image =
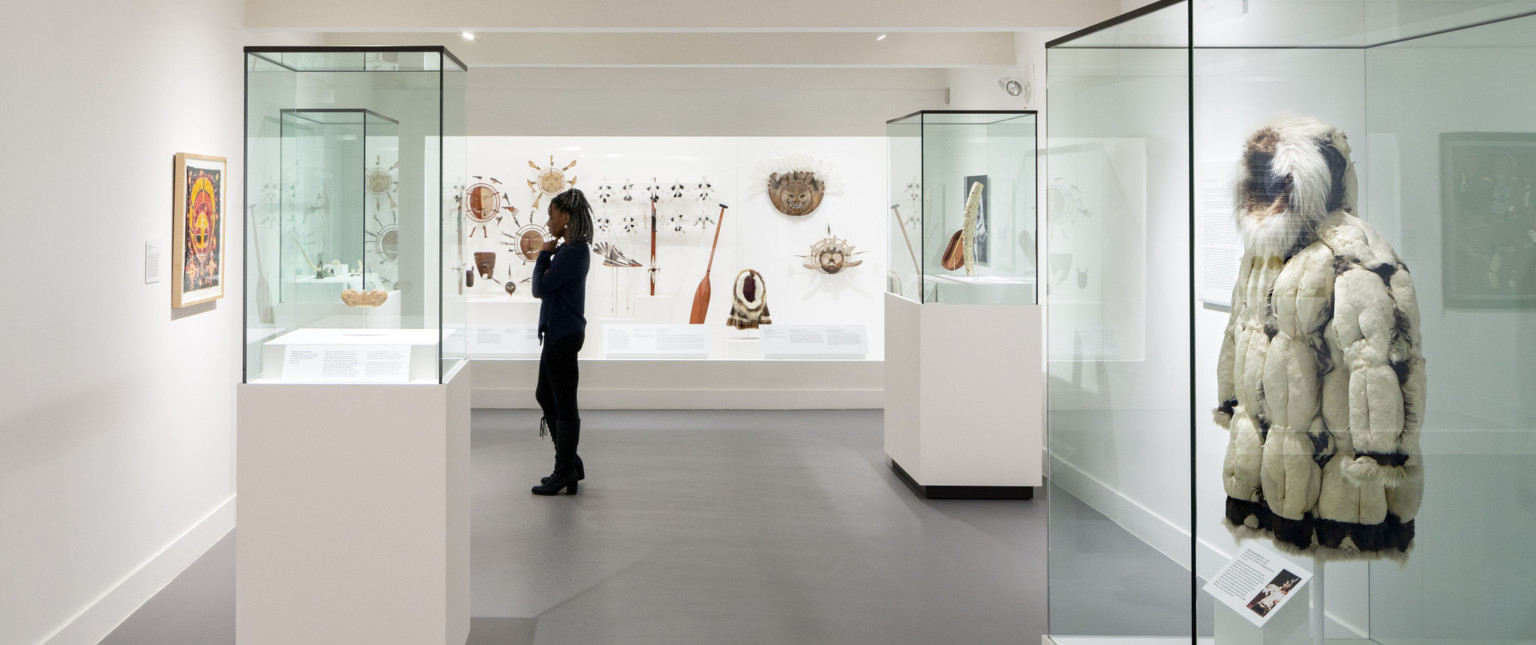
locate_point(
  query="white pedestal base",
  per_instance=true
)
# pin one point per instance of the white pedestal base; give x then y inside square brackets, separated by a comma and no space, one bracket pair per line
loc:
[1289,626]
[655,310]
[964,397]
[743,349]
[354,514]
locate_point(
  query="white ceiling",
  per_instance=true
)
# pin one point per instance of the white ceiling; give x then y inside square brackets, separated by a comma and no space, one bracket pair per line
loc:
[921,34]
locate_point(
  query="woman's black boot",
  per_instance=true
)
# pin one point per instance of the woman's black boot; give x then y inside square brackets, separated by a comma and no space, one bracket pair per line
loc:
[568,434]
[553,429]
[556,481]
[581,471]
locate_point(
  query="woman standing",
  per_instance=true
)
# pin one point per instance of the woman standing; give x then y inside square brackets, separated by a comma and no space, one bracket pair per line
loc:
[560,282]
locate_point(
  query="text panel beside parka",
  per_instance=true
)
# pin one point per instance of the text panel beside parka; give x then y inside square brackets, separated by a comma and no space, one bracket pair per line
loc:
[1321,377]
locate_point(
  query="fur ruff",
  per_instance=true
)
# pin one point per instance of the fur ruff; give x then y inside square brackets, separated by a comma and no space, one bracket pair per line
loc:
[1284,181]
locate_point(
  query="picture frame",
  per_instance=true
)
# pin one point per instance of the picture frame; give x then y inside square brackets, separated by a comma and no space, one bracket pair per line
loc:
[983,219]
[198,229]
[1488,200]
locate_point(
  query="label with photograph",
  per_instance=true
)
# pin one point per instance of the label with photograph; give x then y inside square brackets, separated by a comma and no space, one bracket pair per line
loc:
[1257,583]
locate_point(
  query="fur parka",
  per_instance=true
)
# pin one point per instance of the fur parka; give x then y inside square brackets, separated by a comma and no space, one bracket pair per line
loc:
[1321,378]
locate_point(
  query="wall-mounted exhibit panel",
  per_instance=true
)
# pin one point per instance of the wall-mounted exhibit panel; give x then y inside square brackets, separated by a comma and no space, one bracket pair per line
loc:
[705,248]
[353,238]
[1292,376]
[961,307]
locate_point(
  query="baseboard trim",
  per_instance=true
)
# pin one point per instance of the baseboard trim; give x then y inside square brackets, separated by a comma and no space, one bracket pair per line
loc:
[104,614]
[961,492]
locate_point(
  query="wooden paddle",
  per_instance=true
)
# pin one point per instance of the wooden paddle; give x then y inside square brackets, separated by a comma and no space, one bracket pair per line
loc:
[701,295]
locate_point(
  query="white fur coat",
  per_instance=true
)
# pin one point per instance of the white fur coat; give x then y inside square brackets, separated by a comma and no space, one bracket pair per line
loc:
[1321,377]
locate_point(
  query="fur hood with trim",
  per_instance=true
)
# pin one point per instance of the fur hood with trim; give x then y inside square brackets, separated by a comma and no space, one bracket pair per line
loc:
[1321,377]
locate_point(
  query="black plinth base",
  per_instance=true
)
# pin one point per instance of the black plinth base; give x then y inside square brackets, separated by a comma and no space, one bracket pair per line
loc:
[962,492]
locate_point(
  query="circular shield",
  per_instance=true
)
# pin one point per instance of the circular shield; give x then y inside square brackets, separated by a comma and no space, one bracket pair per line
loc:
[552,181]
[483,203]
[530,240]
[387,243]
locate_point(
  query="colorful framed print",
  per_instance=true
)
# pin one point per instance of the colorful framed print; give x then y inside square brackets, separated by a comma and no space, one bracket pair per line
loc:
[198,230]
[1489,219]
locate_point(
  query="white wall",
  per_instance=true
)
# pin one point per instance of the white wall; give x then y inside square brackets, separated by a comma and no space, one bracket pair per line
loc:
[696,101]
[116,413]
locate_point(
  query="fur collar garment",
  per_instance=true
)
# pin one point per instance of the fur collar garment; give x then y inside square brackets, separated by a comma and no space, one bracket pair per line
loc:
[1321,377]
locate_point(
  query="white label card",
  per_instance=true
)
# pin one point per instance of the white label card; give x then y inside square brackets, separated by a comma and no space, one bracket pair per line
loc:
[504,340]
[152,261]
[346,364]
[1220,250]
[1257,583]
[814,340]
[669,341]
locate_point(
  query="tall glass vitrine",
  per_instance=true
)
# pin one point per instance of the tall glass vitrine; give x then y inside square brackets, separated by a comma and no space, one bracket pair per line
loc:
[961,299]
[355,160]
[1154,122]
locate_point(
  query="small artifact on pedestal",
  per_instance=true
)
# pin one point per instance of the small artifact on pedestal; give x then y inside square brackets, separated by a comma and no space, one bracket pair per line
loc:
[355,298]
[749,307]
[968,233]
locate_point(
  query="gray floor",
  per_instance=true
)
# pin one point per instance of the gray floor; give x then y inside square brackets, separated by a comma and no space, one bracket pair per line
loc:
[706,527]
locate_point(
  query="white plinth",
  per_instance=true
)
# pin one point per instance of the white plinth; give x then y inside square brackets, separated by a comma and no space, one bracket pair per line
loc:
[1288,626]
[655,310]
[743,349]
[354,514]
[964,397]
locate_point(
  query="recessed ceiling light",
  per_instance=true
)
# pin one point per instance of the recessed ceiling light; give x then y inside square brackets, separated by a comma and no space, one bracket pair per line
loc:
[880,37]
[467,36]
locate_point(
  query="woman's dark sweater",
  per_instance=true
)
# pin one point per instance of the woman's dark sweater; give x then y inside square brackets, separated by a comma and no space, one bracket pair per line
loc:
[560,281]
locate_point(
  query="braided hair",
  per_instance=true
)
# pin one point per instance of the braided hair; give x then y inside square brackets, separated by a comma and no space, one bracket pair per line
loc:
[574,204]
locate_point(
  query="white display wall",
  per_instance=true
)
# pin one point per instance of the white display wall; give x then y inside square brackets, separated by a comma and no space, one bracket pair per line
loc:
[755,235]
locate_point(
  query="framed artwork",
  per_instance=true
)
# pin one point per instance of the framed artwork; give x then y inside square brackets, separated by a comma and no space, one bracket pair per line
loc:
[198,230]
[983,218]
[1489,222]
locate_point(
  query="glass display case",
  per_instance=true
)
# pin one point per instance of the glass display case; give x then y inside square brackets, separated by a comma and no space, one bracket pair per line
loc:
[1391,133]
[962,207]
[960,300]
[354,265]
